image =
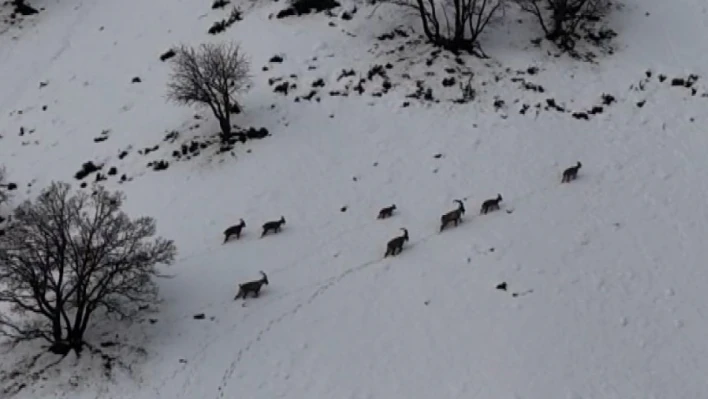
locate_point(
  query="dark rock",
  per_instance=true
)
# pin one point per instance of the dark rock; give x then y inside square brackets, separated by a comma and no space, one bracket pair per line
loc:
[218,27]
[22,8]
[160,165]
[447,82]
[167,55]
[86,169]
[282,88]
[219,4]
[608,99]
[288,12]
[254,133]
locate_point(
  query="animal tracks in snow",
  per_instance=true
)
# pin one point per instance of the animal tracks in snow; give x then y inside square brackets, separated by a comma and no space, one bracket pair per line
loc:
[321,289]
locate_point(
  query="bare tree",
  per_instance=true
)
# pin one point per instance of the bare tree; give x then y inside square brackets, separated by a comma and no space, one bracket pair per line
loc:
[65,257]
[211,76]
[560,19]
[455,24]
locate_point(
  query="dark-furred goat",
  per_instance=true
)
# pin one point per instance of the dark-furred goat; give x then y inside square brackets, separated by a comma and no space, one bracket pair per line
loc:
[453,216]
[251,286]
[491,205]
[273,226]
[395,245]
[571,173]
[234,230]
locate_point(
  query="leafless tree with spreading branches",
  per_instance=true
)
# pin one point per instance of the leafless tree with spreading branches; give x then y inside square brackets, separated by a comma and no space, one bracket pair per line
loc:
[560,19]
[455,25]
[210,75]
[66,257]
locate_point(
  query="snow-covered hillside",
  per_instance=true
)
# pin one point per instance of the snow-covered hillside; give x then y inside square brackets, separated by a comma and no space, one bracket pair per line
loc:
[606,277]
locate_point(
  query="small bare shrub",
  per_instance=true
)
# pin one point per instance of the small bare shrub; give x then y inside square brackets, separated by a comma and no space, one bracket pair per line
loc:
[561,19]
[455,25]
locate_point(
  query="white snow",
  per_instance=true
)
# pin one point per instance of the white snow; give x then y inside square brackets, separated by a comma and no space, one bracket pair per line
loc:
[609,270]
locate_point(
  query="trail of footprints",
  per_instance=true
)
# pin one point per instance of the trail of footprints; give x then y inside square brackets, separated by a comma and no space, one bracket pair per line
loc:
[394,247]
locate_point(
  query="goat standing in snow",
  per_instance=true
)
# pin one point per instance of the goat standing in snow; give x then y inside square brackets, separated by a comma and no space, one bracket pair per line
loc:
[273,226]
[234,230]
[491,205]
[251,286]
[571,173]
[386,212]
[454,216]
[396,244]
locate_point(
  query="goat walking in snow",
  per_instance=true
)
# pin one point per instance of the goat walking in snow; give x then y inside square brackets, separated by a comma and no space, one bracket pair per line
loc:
[571,173]
[395,245]
[273,226]
[251,286]
[454,216]
[234,230]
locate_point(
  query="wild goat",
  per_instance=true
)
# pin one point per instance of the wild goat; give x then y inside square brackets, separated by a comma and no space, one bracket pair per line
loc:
[453,216]
[234,230]
[571,173]
[386,212]
[273,226]
[251,286]
[396,244]
[491,205]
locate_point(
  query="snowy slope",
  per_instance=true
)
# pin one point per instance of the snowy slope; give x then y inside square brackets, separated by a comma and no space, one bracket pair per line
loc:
[608,272]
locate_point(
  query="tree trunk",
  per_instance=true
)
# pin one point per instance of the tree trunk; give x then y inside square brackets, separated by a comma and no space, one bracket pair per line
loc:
[60,348]
[225,124]
[559,16]
[56,329]
[76,342]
